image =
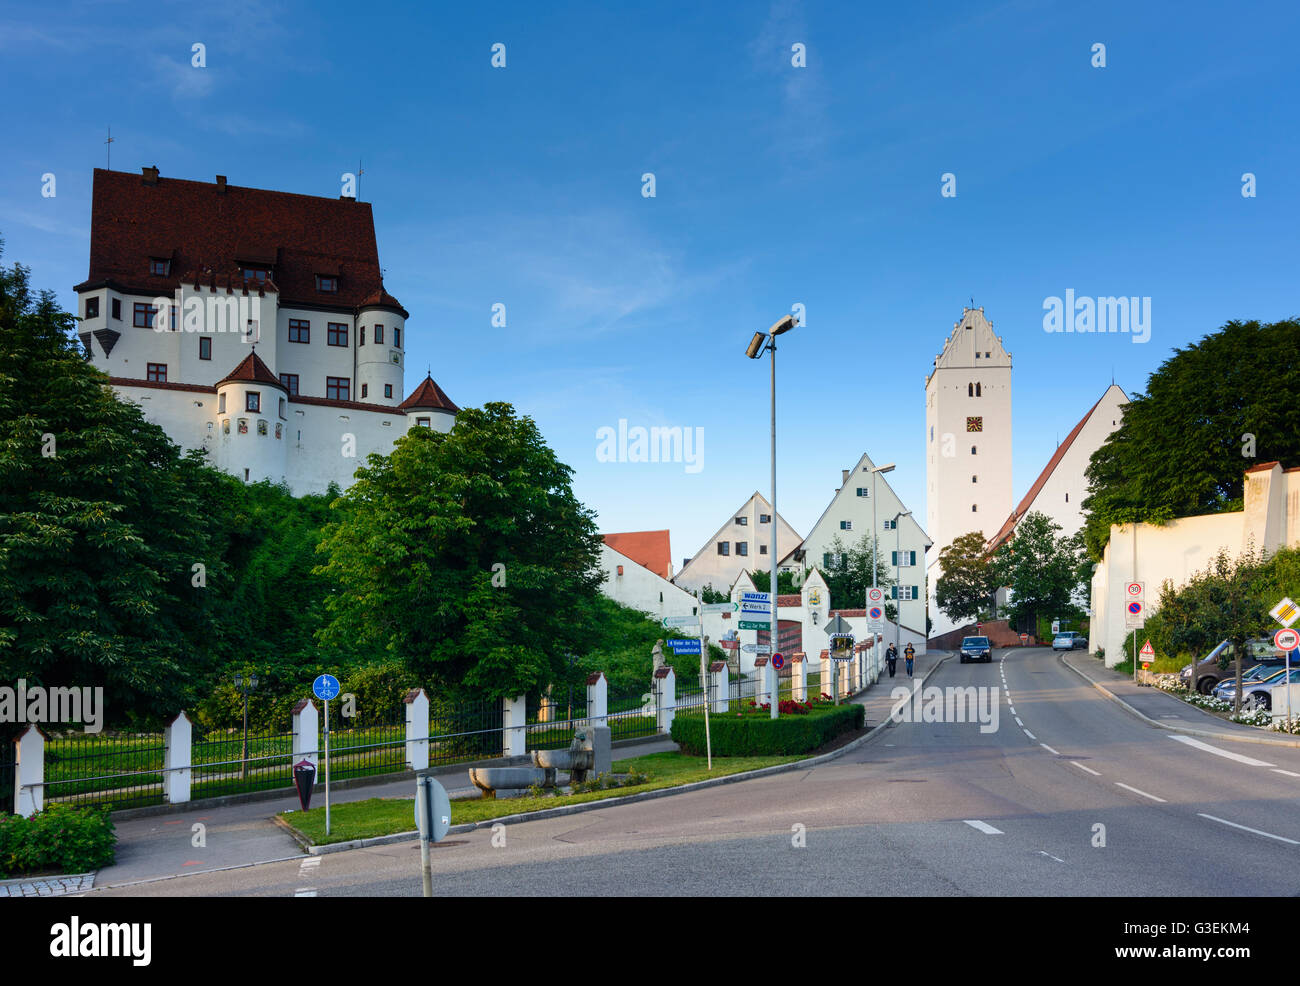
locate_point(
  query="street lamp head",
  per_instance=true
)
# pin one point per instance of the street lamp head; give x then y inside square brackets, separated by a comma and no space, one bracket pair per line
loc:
[239,681]
[784,325]
[888,468]
[755,346]
[252,682]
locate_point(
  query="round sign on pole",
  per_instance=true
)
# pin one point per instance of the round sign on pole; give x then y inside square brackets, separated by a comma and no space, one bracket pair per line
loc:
[875,595]
[325,687]
[1135,588]
[876,612]
[1286,640]
[1135,608]
[778,661]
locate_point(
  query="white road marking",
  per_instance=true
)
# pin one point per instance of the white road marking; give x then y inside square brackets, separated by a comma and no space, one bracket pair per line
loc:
[1095,773]
[305,892]
[1049,749]
[1143,793]
[984,827]
[1019,723]
[1267,835]
[1029,734]
[1012,708]
[1289,773]
[1044,852]
[1240,758]
[305,869]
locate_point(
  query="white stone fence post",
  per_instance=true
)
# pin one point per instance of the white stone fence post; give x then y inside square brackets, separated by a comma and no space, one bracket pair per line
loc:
[597,699]
[665,685]
[514,719]
[799,676]
[417,729]
[720,684]
[177,754]
[29,779]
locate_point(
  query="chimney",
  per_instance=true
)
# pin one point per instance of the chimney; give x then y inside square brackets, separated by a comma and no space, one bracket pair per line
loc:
[150,175]
[221,184]
[844,476]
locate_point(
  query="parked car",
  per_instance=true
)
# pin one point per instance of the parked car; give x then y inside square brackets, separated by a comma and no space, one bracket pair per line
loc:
[976,649]
[1218,664]
[1260,672]
[1258,694]
[1073,640]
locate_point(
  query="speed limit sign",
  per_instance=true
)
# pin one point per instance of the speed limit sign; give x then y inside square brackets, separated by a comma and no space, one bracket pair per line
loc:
[1136,590]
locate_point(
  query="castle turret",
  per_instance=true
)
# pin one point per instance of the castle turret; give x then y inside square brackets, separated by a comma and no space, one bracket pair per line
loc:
[381,349]
[252,416]
[429,407]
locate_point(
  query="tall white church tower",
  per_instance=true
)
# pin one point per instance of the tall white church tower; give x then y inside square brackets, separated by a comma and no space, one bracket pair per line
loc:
[968,442]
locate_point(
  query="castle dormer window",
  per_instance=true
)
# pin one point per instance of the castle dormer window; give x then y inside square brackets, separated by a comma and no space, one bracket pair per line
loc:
[397,336]
[253,401]
[92,307]
[258,274]
[327,284]
[160,267]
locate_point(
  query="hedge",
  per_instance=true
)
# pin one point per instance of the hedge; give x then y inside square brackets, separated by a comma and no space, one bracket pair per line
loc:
[757,736]
[61,839]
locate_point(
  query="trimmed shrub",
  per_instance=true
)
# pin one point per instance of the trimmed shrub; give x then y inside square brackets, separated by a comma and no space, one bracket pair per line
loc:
[61,838]
[757,736]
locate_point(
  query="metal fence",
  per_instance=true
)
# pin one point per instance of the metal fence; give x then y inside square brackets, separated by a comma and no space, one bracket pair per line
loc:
[122,770]
[363,751]
[222,765]
[633,713]
[8,774]
[462,730]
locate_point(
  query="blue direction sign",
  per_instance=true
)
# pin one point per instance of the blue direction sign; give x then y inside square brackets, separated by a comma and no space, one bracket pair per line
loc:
[325,687]
[684,646]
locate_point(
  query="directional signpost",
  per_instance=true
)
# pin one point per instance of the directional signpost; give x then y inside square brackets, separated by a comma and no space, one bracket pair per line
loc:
[755,611]
[841,646]
[757,648]
[326,687]
[720,607]
[684,645]
[680,621]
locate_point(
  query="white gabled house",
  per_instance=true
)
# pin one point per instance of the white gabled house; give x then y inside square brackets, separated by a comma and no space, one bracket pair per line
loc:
[740,544]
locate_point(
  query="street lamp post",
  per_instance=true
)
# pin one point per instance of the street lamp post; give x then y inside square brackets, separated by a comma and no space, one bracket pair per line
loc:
[245,686]
[755,350]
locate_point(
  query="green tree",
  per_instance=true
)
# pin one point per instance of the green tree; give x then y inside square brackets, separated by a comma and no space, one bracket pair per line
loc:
[787,583]
[1042,570]
[848,573]
[1210,411]
[102,522]
[965,590]
[466,555]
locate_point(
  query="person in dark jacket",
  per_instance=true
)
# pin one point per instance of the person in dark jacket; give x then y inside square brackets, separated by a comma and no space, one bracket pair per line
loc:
[891,656]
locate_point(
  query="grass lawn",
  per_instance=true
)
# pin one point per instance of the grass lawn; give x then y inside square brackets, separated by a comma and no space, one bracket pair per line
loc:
[385,816]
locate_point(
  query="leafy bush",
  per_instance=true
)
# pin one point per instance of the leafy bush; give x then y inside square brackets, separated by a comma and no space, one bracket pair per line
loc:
[60,838]
[755,736]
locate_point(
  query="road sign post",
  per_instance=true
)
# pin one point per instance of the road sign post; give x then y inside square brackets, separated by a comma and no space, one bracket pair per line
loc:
[1135,613]
[326,687]
[705,680]
[1286,641]
[433,819]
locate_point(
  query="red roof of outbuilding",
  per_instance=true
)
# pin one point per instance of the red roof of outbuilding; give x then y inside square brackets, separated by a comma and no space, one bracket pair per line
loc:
[208,231]
[649,549]
[251,368]
[428,396]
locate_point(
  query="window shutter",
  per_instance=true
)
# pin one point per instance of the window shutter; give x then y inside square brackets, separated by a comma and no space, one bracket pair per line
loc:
[893,558]
[915,594]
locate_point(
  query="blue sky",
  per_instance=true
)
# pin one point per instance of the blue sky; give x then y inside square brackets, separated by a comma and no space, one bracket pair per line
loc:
[775,186]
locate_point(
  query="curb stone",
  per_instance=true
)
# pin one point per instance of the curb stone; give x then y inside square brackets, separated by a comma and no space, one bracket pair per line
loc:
[1189,730]
[558,812]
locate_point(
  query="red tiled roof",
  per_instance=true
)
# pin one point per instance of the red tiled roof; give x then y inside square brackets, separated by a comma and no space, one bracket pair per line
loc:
[846,613]
[649,549]
[791,599]
[252,369]
[347,405]
[1263,467]
[428,396]
[196,388]
[1005,530]
[202,227]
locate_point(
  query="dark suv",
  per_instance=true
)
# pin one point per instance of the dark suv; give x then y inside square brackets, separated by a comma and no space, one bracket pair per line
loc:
[976,649]
[1220,663]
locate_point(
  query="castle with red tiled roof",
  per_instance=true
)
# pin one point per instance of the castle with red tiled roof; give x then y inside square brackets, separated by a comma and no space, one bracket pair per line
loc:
[251,323]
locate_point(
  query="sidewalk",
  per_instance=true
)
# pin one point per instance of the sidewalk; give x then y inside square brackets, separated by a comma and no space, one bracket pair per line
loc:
[877,698]
[1160,708]
[160,846]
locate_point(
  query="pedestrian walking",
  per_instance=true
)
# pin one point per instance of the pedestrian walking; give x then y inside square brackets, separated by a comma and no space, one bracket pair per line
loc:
[909,652]
[891,656]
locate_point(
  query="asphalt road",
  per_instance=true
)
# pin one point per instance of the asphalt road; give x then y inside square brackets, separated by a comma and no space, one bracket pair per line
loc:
[1071,795]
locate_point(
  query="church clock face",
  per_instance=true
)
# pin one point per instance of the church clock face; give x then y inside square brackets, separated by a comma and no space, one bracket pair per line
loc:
[974,424]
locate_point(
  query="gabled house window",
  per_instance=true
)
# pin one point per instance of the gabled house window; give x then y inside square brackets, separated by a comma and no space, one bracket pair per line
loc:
[846,525]
[908,559]
[762,549]
[253,401]
[336,334]
[742,548]
[143,315]
[974,479]
[290,381]
[299,330]
[724,547]
[864,491]
[742,521]
[972,450]
[891,525]
[327,284]
[765,518]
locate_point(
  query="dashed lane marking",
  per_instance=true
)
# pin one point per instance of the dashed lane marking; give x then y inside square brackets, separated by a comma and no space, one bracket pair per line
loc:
[1244,828]
[1049,749]
[1095,773]
[1143,793]
[1029,734]
[984,827]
